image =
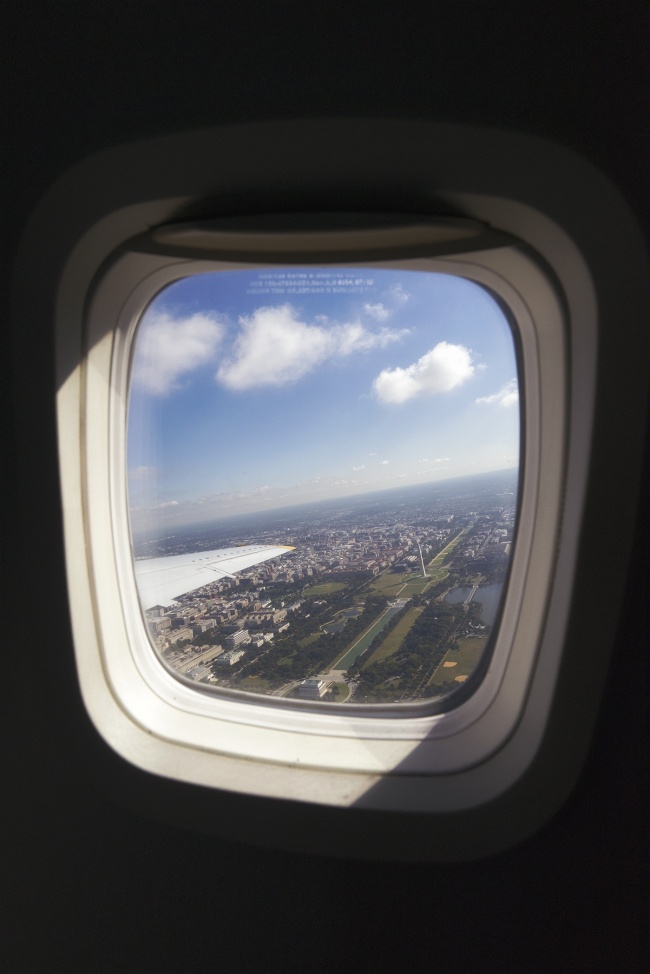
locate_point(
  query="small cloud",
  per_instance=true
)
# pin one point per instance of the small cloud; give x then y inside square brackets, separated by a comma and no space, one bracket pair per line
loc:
[372,454]
[160,507]
[167,348]
[443,459]
[424,460]
[508,395]
[255,492]
[442,369]
[384,462]
[361,466]
[398,294]
[377,311]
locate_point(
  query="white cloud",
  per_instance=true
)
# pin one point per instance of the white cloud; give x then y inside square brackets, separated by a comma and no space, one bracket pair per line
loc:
[160,507]
[442,369]
[255,492]
[274,348]
[168,348]
[361,466]
[508,395]
[385,462]
[377,311]
[398,294]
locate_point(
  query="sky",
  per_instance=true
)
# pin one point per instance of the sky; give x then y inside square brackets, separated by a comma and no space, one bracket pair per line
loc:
[258,389]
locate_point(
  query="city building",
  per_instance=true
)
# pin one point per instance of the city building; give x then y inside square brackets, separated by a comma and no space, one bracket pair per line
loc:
[313,689]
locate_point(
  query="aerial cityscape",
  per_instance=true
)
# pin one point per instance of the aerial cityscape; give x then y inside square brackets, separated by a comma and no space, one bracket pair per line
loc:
[386,598]
[366,418]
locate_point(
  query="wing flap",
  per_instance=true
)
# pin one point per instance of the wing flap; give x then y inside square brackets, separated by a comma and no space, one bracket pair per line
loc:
[161,580]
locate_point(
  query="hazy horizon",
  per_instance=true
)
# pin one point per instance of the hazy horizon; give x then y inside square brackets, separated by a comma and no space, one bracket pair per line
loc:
[289,511]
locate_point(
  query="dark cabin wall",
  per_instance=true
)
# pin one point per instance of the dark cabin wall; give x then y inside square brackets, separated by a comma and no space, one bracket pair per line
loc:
[89,883]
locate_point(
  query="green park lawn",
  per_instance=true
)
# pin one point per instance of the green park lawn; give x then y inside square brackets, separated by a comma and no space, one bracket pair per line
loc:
[436,562]
[412,583]
[395,637]
[387,584]
[339,692]
[418,585]
[309,639]
[465,657]
[324,588]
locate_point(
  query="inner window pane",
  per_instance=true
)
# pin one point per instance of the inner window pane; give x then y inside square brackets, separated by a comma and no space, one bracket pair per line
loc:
[323,468]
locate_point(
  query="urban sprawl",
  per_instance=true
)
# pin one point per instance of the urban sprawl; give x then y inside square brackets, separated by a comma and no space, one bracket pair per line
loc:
[389,599]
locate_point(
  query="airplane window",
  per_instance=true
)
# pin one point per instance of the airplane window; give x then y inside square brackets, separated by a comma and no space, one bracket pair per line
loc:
[323,469]
[330,480]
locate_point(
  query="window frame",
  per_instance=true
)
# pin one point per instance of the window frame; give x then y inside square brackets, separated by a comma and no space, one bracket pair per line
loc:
[377,741]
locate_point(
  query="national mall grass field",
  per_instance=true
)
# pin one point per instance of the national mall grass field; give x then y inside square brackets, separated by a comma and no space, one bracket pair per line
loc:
[395,637]
[457,664]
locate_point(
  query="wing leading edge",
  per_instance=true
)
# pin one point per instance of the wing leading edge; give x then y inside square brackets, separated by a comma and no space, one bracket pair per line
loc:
[161,580]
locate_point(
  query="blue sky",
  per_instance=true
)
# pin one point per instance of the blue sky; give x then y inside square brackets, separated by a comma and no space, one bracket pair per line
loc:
[259,389]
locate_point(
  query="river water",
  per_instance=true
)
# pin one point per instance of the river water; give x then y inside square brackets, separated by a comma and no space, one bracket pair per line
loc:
[488,595]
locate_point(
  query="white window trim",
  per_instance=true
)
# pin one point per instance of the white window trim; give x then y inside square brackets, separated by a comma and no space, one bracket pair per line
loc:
[176,714]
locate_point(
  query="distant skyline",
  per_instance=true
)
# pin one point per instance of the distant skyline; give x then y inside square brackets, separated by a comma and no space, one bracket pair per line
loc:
[254,390]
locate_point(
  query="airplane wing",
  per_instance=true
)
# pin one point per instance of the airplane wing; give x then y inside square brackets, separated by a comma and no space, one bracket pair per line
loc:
[161,580]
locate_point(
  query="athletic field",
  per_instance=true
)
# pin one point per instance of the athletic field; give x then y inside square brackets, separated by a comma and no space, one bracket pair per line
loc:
[458,664]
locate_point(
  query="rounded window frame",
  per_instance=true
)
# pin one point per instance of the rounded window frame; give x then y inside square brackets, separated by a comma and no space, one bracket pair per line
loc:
[253,729]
